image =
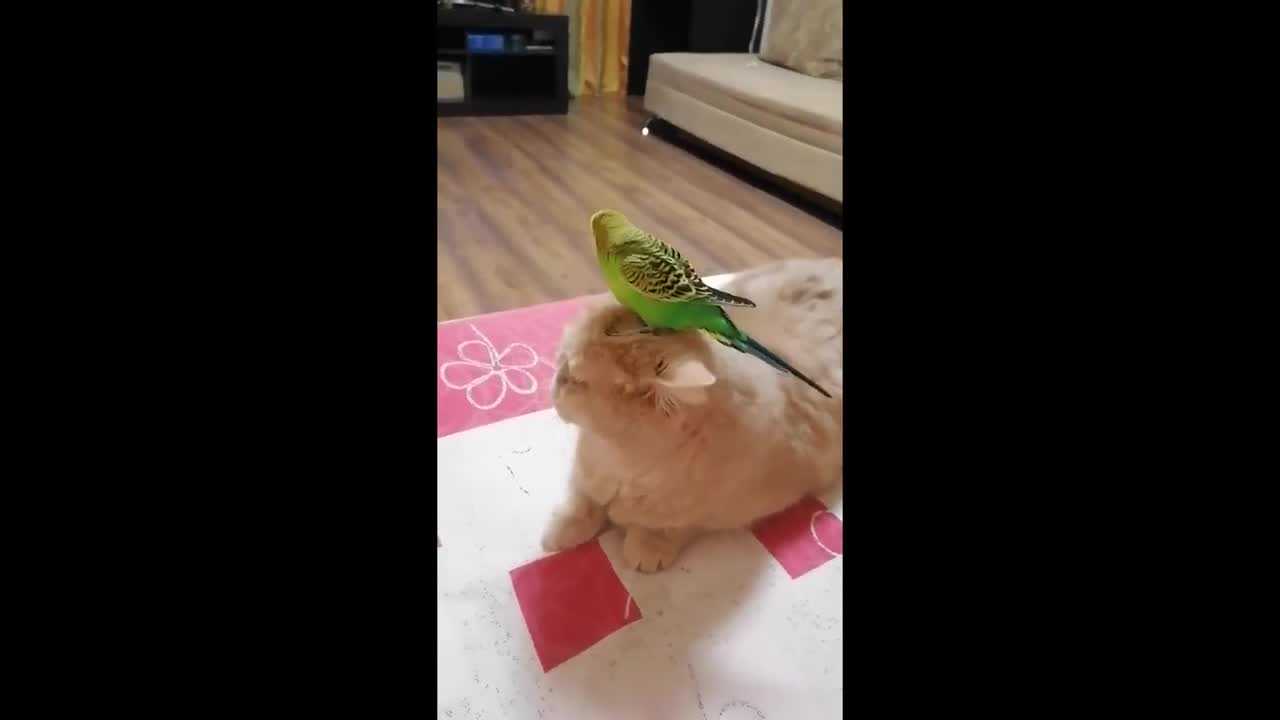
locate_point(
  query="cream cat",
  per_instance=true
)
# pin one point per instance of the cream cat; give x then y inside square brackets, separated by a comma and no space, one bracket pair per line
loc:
[681,435]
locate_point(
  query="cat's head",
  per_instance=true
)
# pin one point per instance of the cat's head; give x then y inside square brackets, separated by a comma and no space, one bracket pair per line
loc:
[611,383]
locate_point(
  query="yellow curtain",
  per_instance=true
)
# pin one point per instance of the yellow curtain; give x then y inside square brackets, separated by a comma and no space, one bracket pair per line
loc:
[599,40]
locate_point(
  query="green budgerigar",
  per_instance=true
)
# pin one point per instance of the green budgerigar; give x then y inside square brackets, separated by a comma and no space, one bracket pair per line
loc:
[654,280]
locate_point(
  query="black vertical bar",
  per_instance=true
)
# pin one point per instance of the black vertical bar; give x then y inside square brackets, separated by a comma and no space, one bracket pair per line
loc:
[657,26]
[562,61]
[466,77]
[721,26]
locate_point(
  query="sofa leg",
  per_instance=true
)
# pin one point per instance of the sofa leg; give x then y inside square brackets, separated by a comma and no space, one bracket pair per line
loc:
[656,126]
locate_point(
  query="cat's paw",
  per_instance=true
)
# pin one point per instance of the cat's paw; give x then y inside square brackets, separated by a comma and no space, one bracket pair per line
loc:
[571,530]
[649,551]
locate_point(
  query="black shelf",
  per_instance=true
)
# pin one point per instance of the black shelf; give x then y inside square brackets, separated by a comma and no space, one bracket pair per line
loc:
[506,82]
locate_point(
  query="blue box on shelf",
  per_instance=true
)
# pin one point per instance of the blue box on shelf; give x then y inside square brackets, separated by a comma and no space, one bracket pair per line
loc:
[484,42]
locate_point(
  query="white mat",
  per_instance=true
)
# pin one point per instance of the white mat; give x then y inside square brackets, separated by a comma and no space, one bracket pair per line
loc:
[726,634]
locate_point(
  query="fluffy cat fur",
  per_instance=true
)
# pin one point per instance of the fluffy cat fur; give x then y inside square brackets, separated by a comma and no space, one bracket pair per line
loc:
[681,435]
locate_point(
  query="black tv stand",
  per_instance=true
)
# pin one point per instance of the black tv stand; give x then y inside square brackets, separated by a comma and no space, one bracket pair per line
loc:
[529,80]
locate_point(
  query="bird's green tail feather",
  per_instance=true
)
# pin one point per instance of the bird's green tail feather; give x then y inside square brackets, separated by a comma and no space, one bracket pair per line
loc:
[745,344]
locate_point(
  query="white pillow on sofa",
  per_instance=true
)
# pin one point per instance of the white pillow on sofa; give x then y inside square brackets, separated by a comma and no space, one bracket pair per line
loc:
[806,36]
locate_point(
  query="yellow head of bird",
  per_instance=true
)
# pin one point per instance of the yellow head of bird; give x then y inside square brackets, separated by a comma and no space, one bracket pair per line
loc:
[602,222]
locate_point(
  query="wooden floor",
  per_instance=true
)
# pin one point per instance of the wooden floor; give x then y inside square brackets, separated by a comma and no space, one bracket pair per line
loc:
[516,195]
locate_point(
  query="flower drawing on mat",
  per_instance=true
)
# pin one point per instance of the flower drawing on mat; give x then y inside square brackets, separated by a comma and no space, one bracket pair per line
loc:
[509,369]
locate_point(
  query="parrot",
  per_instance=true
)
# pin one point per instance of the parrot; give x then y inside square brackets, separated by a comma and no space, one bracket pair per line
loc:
[652,279]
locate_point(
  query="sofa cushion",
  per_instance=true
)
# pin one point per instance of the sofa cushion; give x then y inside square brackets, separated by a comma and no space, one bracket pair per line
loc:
[806,36]
[798,106]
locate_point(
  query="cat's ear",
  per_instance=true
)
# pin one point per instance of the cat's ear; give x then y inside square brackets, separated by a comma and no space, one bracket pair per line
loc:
[688,379]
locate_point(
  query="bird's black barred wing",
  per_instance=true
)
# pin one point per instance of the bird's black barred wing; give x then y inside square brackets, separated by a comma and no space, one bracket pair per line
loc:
[659,272]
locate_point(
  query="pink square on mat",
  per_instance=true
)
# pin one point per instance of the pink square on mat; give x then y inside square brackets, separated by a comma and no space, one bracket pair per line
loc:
[497,366]
[802,537]
[571,601]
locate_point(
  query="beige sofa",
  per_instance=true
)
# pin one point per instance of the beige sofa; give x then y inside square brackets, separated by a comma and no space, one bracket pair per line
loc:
[781,110]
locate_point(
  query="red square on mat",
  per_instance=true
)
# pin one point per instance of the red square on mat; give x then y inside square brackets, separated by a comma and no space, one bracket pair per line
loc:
[571,601]
[802,537]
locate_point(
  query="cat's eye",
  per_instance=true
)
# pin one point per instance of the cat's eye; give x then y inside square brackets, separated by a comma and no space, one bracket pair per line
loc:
[661,367]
